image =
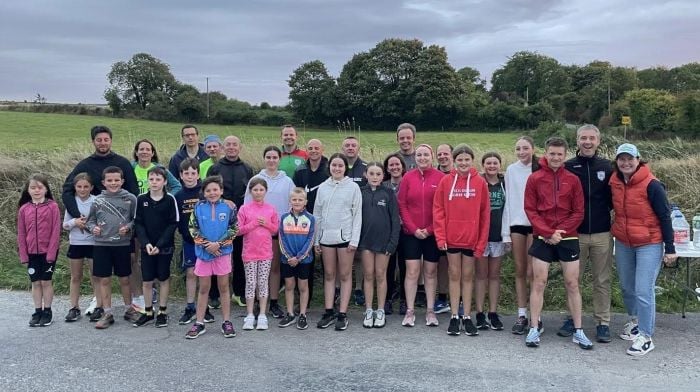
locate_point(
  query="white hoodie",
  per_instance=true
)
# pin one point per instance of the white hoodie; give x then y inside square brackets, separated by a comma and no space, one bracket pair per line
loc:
[278,189]
[338,212]
[514,210]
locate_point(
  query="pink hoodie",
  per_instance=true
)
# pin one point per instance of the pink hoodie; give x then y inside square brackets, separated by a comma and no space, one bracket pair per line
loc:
[257,240]
[38,230]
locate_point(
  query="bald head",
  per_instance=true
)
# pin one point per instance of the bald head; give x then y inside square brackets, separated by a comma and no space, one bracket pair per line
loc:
[314,148]
[232,147]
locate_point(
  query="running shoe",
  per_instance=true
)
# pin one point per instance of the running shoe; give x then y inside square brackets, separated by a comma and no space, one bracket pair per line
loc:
[214,303]
[187,316]
[430,319]
[326,321]
[409,319]
[582,340]
[91,307]
[262,323]
[602,334]
[359,297]
[105,321]
[630,331]
[640,346]
[161,320]
[196,330]
[368,322]
[567,329]
[144,319]
[481,322]
[533,338]
[379,318]
[73,315]
[35,321]
[208,317]
[276,311]
[454,328]
[46,318]
[227,329]
[341,322]
[131,314]
[235,299]
[249,322]
[495,322]
[97,314]
[287,320]
[520,325]
[469,327]
[301,322]
[441,306]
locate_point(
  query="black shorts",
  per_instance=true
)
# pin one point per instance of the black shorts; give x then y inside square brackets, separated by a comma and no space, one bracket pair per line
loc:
[564,251]
[79,252]
[518,229]
[39,269]
[341,245]
[301,271]
[464,252]
[155,267]
[188,256]
[108,260]
[414,248]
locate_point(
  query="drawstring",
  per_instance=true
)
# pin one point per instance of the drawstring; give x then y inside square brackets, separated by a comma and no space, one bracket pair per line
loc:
[469,179]
[454,183]
[453,187]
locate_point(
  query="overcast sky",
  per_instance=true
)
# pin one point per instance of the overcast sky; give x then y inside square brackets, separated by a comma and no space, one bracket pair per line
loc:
[64,49]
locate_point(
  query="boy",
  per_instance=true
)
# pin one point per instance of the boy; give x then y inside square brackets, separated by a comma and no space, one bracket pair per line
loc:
[111,221]
[296,234]
[156,220]
[554,206]
[186,199]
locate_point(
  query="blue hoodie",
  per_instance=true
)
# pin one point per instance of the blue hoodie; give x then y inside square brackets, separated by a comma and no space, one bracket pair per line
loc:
[211,222]
[297,236]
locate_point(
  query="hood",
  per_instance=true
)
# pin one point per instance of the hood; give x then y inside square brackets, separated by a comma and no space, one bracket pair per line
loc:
[121,192]
[227,162]
[456,175]
[343,181]
[269,178]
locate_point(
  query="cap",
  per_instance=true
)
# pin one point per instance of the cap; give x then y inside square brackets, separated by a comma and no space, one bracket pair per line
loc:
[212,139]
[627,148]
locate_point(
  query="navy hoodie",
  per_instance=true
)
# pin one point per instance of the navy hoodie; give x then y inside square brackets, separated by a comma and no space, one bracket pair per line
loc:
[380,220]
[186,200]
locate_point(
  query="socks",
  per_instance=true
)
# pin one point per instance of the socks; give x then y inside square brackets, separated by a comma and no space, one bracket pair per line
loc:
[190,306]
[522,312]
[162,309]
[149,310]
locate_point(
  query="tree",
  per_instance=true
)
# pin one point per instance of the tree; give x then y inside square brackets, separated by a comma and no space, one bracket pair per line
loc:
[532,76]
[472,76]
[135,80]
[312,93]
[40,99]
[189,104]
[651,110]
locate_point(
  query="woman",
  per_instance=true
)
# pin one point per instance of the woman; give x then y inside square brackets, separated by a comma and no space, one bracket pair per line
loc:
[516,228]
[418,239]
[146,157]
[643,238]
[338,213]
[395,169]
[279,186]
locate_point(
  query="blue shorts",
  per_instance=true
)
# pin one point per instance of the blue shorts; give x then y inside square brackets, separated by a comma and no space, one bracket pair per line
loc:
[188,258]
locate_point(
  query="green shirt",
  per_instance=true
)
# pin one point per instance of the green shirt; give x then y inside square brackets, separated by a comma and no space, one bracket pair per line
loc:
[204,167]
[142,177]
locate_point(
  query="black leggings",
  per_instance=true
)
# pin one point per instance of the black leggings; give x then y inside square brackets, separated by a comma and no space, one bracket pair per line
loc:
[391,283]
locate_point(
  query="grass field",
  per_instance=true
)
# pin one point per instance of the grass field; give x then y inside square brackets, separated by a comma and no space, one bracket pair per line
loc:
[53,143]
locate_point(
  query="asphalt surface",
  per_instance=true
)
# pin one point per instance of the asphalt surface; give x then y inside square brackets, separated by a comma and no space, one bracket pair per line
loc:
[75,356]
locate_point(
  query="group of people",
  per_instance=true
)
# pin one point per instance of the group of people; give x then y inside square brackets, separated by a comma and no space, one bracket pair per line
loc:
[446,227]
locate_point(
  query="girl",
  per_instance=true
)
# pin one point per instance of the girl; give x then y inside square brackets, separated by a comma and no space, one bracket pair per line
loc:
[378,239]
[258,223]
[516,228]
[38,237]
[395,170]
[461,215]
[80,248]
[278,188]
[213,226]
[488,265]
[338,213]
[418,241]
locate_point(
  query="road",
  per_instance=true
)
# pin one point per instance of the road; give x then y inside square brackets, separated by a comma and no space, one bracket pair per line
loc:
[75,356]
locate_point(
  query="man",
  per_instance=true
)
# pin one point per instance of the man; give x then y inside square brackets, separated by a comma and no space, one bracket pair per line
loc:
[444,158]
[356,172]
[292,156]
[554,206]
[310,176]
[213,147]
[94,165]
[190,148]
[236,175]
[594,236]
[406,137]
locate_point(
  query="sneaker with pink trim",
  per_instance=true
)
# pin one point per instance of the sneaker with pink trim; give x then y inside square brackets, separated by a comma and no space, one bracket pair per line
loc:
[430,319]
[409,319]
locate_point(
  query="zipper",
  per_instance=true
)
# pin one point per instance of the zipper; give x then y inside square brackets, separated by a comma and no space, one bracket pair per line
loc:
[590,207]
[36,227]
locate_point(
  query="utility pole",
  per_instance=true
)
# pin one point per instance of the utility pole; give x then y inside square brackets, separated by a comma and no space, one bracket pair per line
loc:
[207,98]
[609,91]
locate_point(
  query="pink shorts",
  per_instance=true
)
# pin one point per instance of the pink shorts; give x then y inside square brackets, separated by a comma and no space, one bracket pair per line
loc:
[218,266]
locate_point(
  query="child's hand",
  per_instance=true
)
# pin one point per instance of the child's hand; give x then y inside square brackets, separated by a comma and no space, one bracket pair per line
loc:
[123,230]
[213,248]
[317,249]
[97,230]
[293,262]
[351,248]
[261,220]
[152,250]
[80,222]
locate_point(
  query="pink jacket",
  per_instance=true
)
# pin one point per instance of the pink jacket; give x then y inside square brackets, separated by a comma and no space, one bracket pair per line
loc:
[257,240]
[38,230]
[416,199]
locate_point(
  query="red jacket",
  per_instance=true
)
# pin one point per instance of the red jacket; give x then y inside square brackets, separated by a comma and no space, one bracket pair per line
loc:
[462,212]
[38,230]
[635,223]
[554,201]
[416,199]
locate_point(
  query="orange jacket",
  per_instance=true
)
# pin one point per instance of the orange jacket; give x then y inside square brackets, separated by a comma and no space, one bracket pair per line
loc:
[635,222]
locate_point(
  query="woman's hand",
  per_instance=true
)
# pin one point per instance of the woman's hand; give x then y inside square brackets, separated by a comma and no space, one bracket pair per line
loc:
[670,259]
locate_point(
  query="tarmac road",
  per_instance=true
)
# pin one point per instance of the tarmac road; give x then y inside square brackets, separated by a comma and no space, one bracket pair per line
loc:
[75,356]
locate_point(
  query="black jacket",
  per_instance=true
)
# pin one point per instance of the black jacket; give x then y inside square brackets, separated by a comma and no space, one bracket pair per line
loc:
[186,200]
[93,166]
[310,180]
[594,173]
[236,175]
[380,220]
[156,221]
[357,173]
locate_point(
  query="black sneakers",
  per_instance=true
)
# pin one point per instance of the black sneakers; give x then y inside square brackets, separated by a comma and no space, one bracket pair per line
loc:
[276,311]
[187,316]
[144,319]
[97,315]
[326,321]
[46,318]
[495,322]
[454,327]
[161,320]
[288,320]
[341,322]
[469,327]
[301,322]
[520,325]
[481,322]
[73,315]
[208,317]
[35,321]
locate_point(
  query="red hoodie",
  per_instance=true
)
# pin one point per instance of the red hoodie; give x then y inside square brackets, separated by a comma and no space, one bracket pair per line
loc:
[554,201]
[416,199]
[462,212]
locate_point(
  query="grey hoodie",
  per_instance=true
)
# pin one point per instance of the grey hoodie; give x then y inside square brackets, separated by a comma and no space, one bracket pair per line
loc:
[110,211]
[338,212]
[278,189]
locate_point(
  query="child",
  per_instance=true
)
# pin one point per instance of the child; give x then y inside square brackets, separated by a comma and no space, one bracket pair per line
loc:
[213,226]
[296,230]
[379,238]
[156,221]
[111,222]
[80,248]
[186,199]
[257,222]
[38,237]
[461,215]
[488,265]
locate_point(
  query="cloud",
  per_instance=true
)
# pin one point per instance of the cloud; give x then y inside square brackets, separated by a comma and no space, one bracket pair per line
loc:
[248,49]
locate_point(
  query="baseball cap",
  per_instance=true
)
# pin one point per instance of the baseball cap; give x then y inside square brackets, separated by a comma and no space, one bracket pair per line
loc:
[627,148]
[212,139]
